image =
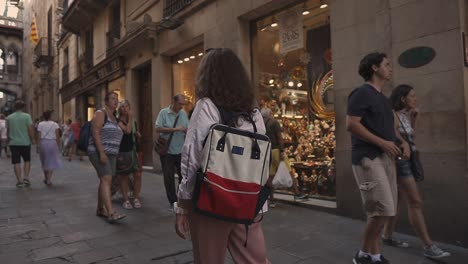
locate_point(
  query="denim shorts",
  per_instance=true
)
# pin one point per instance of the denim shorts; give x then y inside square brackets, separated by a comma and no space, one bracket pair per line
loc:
[403,168]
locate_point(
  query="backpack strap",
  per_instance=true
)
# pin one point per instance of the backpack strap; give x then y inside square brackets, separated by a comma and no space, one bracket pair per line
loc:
[230,118]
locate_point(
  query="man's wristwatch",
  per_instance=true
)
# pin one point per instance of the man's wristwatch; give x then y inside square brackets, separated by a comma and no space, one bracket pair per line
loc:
[179,210]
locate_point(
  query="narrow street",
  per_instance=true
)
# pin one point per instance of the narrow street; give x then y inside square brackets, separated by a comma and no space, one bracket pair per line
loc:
[53,225]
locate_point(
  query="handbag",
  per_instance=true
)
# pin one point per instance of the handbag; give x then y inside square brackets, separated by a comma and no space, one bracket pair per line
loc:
[126,162]
[416,165]
[161,146]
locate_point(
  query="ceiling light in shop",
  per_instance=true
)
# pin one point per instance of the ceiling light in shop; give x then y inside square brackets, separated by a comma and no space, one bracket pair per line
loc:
[323,5]
[186,59]
[192,57]
[200,54]
[274,24]
[180,61]
[290,84]
[271,81]
[305,12]
[299,84]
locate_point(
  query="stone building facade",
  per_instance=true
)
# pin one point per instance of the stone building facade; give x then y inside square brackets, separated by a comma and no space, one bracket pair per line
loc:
[147,51]
[11,56]
[41,60]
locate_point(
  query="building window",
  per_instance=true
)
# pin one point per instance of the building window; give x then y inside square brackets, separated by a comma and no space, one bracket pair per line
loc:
[114,26]
[65,69]
[184,69]
[293,77]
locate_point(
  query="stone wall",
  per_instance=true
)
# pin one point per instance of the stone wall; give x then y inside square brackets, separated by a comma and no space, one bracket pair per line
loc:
[360,27]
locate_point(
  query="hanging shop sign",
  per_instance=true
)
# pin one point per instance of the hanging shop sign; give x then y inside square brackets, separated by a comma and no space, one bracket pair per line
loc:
[416,57]
[291,34]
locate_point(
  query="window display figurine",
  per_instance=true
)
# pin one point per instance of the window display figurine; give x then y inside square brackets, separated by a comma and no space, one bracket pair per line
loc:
[313,182]
[322,183]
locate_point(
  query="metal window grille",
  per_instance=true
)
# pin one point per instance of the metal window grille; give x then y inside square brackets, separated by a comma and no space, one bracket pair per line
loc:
[173,6]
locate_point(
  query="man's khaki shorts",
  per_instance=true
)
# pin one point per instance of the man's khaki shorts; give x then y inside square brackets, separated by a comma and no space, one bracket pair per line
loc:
[377,183]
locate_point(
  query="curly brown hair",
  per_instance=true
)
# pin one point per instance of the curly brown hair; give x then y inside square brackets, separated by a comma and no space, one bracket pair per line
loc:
[222,78]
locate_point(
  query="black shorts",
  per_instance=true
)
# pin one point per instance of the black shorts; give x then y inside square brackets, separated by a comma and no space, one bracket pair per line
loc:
[18,152]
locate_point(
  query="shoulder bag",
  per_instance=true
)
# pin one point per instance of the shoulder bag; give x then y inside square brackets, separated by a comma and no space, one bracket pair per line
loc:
[416,165]
[161,146]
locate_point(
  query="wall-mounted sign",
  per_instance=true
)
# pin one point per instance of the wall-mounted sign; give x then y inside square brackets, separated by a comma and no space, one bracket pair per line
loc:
[416,57]
[290,30]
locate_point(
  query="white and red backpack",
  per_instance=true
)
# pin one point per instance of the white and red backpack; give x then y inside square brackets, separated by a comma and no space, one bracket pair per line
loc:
[231,183]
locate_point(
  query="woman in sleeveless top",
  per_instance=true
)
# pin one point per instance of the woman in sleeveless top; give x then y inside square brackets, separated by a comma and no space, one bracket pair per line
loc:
[127,160]
[103,148]
[404,103]
[48,137]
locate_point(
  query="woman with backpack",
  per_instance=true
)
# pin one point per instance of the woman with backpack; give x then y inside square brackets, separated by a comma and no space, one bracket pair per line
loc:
[48,136]
[221,82]
[103,148]
[127,161]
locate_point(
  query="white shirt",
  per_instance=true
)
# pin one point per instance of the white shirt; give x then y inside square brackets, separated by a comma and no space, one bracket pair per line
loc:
[3,130]
[47,129]
[204,115]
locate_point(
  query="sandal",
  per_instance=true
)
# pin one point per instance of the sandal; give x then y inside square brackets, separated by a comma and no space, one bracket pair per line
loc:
[114,217]
[127,205]
[19,185]
[136,203]
[26,182]
[101,212]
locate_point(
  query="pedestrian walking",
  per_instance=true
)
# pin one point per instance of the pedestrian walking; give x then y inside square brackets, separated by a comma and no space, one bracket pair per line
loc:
[371,124]
[75,128]
[48,139]
[221,81]
[66,138]
[273,131]
[171,125]
[3,136]
[103,148]
[127,162]
[20,131]
[406,113]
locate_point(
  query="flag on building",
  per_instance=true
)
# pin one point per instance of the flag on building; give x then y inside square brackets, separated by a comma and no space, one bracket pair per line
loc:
[34,33]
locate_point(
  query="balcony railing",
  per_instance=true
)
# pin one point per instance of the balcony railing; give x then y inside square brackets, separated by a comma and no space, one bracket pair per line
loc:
[171,7]
[43,52]
[65,75]
[80,14]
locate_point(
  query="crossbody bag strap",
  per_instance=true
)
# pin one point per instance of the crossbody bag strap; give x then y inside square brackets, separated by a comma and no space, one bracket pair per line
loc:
[172,133]
[404,129]
[48,132]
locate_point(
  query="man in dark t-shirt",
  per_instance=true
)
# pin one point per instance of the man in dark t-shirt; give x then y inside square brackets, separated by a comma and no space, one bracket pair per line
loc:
[370,121]
[273,131]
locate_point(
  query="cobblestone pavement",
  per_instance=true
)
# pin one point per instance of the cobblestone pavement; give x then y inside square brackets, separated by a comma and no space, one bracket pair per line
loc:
[54,225]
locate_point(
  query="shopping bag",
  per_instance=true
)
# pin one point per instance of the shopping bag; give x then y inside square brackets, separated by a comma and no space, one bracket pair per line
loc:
[282,177]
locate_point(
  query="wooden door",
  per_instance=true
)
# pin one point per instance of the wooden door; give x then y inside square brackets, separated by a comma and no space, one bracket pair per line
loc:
[145,113]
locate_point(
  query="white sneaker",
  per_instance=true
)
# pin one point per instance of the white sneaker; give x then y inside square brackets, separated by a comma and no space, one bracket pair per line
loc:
[434,252]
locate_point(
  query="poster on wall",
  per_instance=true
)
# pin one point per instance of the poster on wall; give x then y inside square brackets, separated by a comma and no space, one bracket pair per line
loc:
[290,30]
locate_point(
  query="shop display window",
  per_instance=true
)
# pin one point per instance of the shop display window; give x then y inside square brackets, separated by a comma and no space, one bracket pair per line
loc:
[184,70]
[292,70]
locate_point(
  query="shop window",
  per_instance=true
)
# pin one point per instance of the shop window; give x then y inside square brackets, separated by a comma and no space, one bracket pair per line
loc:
[184,69]
[90,107]
[293,77]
